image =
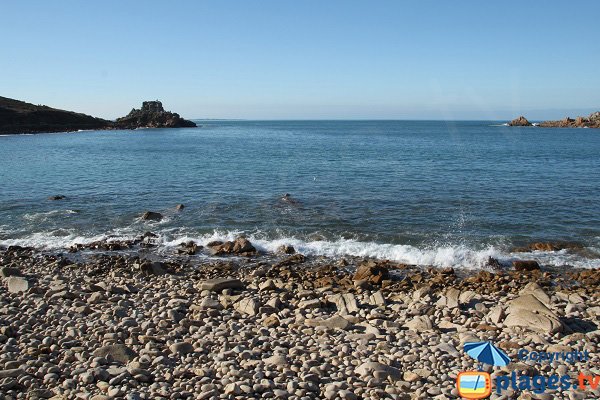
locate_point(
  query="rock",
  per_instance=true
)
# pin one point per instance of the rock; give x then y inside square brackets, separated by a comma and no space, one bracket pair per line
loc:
[496,315]
[377,299]
[450,299]
[181,348]
[152,268]
[232,389]
[220,284]
[345,303]
[179,207]
[12,373]
[526,265]
[276,360]
[420,323]
[308,304]
[448,348]
[592,121]
[536,290]
[335,322]
[521,121]
[118,352]
[286,249]
[371,272]
[152,216]
[267,285]
[7,272]
[210,304]
[247,306]
[530,313]
[241,246]
[17,284]
[369,368]
[152,115]
[57,197]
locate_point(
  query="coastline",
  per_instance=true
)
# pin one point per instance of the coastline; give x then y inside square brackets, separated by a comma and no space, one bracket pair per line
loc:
[110,324]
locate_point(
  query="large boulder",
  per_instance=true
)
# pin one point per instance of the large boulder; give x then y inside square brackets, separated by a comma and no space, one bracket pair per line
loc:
[529,313]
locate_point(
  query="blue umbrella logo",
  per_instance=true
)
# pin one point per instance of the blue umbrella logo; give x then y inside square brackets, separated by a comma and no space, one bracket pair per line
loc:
[487,353]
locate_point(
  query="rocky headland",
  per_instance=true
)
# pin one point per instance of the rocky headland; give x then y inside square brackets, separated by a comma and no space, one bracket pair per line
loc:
[20,117]
[97,324]
[591,121]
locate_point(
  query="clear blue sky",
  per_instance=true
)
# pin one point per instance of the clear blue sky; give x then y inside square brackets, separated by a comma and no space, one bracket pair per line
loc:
[281,59]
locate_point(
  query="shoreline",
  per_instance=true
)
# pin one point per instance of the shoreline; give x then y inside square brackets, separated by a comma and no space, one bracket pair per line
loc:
[110,325]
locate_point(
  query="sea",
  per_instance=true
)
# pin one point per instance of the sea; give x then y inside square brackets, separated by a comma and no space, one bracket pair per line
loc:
[440,193]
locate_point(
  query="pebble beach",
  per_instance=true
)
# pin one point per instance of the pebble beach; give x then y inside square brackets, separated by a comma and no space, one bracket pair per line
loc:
[91,324]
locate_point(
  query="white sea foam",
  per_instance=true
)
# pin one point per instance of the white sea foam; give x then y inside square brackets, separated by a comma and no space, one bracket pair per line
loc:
[42,216]
[459,256]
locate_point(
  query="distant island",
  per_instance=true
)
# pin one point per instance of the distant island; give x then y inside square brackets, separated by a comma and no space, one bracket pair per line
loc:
[592,121]
[21,117]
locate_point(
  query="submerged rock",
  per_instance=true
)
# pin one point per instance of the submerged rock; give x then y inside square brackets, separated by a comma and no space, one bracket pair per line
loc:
[152,216]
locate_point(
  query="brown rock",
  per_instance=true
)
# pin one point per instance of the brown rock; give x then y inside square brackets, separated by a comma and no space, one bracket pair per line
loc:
[521,121]
[371,272]
[526,265]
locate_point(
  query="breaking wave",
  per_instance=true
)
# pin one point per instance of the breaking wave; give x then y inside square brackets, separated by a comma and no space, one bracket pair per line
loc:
[458,256]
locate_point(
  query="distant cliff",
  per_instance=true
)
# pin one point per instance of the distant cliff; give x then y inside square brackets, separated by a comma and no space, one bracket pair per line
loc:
[591,121]
[20,117]
[152,115]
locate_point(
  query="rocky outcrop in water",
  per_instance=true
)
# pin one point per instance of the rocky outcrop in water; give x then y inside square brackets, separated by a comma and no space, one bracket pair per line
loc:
[20,117]
[591,121]
[152,115]
[521,121]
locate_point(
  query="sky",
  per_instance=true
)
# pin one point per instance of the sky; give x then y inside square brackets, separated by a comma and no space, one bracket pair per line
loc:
[283,59]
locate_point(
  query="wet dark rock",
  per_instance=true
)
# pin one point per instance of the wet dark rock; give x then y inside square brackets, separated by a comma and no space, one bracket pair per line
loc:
[549,246]
[189,248]
[152,115]
[152,216]
[286,249]
[57,197]
[526,265]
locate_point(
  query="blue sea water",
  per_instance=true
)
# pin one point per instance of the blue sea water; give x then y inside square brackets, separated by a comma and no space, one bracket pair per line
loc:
[424,192]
